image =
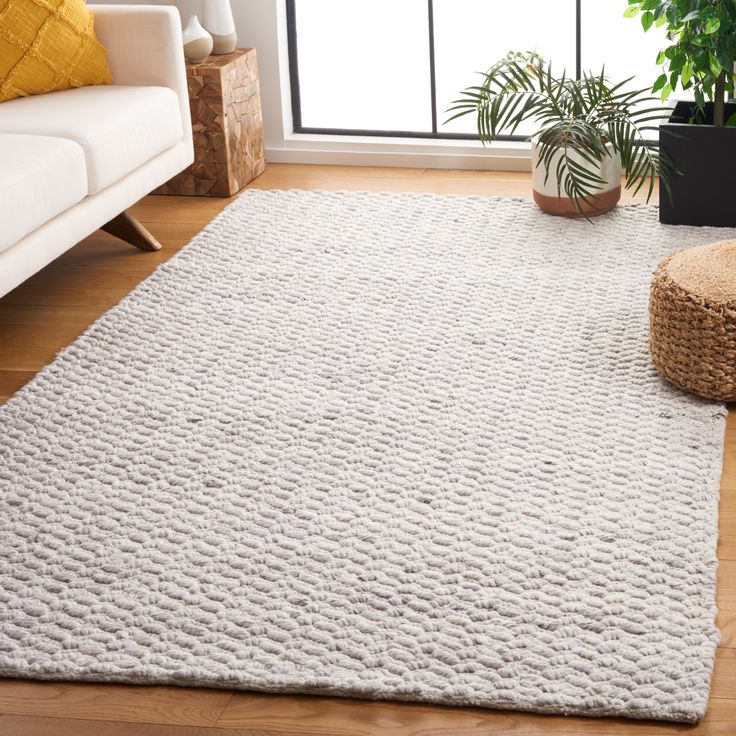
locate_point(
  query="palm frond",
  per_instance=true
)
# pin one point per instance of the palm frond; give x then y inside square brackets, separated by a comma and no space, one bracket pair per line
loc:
[583,120]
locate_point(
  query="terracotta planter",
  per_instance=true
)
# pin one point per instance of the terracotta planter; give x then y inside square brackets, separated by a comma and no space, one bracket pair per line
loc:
[548,198]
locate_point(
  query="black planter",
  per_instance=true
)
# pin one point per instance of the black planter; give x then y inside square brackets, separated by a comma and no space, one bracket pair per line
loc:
[704,192]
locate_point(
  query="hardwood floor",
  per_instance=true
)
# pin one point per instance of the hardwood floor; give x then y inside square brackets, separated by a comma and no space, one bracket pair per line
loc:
[49,310]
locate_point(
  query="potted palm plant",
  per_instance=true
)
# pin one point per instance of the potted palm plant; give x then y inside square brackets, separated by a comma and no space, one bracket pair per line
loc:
[589,132]
[700,137]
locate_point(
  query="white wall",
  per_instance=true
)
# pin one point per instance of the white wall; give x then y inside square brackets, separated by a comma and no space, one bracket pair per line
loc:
[262,24]
[257,25]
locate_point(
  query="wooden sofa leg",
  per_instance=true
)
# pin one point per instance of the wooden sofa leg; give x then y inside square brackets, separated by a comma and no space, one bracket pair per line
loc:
[127,228]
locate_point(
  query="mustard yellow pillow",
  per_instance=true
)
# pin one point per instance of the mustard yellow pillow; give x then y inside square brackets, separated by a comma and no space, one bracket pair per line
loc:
[47,45]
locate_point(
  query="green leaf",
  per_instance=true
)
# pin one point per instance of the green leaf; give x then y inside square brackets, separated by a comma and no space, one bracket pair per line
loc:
[731,121]
[661,81]
[647,19]
[631,12]
[699,98]
[686,73]
[712,25]
[577,120]
[692,15]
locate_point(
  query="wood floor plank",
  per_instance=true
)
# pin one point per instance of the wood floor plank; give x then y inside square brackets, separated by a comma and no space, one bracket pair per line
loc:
[727,506]
[35,726]
[273,715]
[31,358]
[126,276]
[728,478]
[727,583]
[724,674]
[333,717]
[33,314]
[388,184]
[39,346]
[61,296]
[363,172]
[39,335]
[62,300]
[726,623]
[727,538]
[195,210]
[104,702]
[499,178]
[300,183]
[12,380]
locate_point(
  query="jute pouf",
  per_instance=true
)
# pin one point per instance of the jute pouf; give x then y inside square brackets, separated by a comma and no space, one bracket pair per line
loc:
[692,320]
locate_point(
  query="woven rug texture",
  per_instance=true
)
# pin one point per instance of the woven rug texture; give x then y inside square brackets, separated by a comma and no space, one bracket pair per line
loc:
[393,446]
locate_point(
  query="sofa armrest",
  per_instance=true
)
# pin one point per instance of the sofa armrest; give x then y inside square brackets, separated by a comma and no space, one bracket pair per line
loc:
[144,47]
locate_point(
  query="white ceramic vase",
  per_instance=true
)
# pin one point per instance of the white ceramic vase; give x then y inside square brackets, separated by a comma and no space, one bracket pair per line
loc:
[218,20]
[197,41]
[603,199]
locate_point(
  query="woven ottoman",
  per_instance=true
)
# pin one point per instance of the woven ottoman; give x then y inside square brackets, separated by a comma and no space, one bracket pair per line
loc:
[692,320]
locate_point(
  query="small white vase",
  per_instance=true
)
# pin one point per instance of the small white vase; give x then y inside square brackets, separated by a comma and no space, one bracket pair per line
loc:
[197,42]
[218,20]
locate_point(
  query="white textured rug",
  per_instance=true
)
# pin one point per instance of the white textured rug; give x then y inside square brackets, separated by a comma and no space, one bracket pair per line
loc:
[391,446]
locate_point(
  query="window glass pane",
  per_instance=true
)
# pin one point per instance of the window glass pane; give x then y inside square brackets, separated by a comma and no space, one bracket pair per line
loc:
[619,43]
[364,65]
[470,35]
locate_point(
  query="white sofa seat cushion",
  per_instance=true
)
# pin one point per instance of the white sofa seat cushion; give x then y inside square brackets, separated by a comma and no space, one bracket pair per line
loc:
[40,177]
[119,128]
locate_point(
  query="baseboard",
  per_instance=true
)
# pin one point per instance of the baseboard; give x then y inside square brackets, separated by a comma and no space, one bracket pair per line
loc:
[505,157]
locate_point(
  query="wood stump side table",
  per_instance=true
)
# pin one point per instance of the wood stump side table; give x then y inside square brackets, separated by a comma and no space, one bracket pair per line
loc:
[227,126]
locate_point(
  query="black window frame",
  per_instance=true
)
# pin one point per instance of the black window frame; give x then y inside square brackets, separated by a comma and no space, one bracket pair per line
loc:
[434,134]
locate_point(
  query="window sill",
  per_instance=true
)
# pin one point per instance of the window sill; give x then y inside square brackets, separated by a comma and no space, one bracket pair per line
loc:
[308,148]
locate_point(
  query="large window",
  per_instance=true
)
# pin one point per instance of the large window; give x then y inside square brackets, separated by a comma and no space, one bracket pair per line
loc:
[393,67]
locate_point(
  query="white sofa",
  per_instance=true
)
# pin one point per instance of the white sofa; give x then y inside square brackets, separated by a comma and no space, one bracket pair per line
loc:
[73,161]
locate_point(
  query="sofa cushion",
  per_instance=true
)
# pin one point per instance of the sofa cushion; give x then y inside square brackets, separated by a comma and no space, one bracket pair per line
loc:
[46,46]
[120,128]
[40,177]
